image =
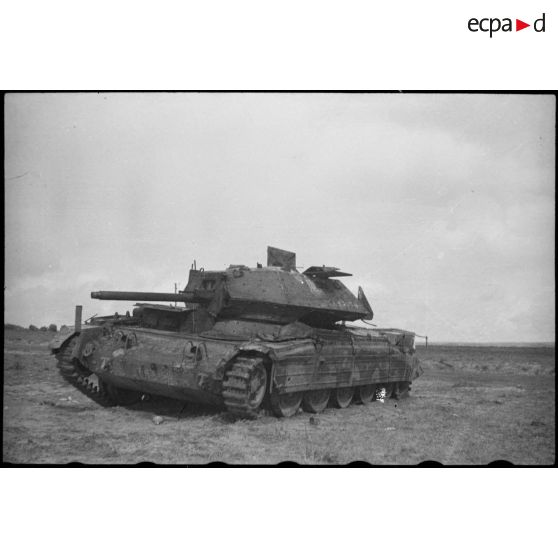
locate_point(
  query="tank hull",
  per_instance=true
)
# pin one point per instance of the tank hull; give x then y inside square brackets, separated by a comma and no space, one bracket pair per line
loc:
[192,367]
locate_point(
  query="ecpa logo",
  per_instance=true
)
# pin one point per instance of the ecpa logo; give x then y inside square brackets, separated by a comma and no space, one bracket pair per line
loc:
[494,24]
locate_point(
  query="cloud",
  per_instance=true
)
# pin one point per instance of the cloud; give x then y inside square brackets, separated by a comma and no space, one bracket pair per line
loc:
[442,206]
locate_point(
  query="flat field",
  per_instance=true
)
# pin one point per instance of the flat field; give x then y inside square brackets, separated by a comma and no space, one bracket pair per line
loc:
[473,405]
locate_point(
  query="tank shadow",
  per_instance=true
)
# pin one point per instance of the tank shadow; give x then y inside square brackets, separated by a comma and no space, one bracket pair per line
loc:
[177,410]
[173,408]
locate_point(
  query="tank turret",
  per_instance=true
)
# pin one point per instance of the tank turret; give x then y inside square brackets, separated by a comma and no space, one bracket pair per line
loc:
[277,293]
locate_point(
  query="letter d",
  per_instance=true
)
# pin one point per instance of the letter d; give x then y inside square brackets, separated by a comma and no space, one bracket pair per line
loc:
[535,25]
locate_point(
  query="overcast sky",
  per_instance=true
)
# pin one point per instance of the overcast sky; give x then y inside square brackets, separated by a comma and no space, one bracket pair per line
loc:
[442,206]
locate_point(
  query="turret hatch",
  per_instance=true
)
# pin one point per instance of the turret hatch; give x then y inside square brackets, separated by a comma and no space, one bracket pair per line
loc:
[281,258]
[325,272]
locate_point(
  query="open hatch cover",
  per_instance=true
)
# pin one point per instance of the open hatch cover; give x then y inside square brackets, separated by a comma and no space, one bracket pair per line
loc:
[325,272]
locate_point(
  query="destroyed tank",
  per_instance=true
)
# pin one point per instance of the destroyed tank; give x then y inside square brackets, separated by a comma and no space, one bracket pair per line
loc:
[244,338]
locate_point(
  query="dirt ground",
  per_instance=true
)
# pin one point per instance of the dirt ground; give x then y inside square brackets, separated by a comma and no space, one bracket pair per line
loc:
[473,405]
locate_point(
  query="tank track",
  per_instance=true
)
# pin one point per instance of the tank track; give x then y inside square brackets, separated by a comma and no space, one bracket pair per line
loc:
[236,387]
[72,373]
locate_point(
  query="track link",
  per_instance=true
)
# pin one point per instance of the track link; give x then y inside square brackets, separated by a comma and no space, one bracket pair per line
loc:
[239,394]
[73,374]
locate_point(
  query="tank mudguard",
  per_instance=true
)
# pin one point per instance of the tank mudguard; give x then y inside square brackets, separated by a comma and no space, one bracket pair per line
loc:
[295,364]
[256,347]
[62,337]
[300,353]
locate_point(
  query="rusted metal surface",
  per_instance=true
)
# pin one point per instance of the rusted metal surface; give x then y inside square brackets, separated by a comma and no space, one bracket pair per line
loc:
[281,258]
[268,294]
[179,364]
[64,335]
[270,327]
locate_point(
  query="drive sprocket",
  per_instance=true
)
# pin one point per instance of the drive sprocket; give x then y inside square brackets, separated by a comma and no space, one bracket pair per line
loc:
[244,386]
[81,378]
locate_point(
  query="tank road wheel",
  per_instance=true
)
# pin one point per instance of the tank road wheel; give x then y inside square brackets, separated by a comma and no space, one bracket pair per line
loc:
[402,390]
[342,397]
[315,401]
[244,386]
[285,404]
[365,394]
[389,387]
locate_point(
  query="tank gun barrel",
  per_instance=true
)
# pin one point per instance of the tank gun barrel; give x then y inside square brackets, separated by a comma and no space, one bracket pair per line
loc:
[146,297]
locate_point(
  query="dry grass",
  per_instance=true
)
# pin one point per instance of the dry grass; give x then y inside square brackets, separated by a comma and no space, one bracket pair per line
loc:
[472,406]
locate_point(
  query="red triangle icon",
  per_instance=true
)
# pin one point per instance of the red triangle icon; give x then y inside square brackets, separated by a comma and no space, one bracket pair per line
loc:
[519,25]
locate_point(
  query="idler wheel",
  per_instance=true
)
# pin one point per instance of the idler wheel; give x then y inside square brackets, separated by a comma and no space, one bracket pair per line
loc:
[285,404]
[315,401]
[342,397]
[389,387]
[365,394]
